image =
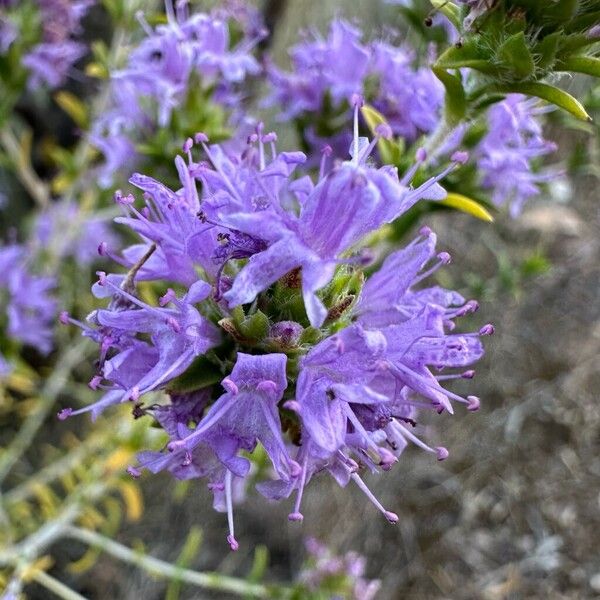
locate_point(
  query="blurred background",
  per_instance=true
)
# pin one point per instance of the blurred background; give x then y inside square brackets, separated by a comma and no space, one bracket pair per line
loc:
[515,512]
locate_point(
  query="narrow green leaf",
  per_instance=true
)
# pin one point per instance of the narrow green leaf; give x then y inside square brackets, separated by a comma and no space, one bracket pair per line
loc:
[456,100]
[73,106]
[467,55]
[588,65]
[551,94]
[389,151]
[467,205]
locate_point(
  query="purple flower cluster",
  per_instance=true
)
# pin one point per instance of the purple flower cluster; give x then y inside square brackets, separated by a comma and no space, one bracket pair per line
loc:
[65,231]
[329,71]
[507,155]
[344,573]
[50,61]
[27,303]
[276,336]
[190,51]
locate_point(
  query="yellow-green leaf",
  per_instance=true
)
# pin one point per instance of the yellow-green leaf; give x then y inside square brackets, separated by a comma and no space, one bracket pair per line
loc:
[582,64]
[466,205]
[97,70]
[551,94]
[73,106]
[389,151]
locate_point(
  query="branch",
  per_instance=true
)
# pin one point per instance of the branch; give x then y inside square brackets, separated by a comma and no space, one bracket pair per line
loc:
[161,568]
[52,388]
[36,188]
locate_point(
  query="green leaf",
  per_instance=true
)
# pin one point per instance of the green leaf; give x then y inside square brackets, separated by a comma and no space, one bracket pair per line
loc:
[450,10]
[588,65]
[545,50]
[74,107]
[514,54]
[466,55]
[255,326]
[455,104]
[389,151]
[467,205]
[551,94]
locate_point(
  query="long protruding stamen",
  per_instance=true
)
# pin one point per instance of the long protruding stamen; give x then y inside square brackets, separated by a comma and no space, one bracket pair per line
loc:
[357,102]
[141,19]
[202,139]
[297,515]
[233,544]
[390,516]
[261,147]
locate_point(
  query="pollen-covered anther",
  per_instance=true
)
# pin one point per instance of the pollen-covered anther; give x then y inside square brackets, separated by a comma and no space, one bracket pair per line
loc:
[200,138]
[441,453]
[233,543]
[173,324]
[101,277]
[64,414]
[95,382]
[473,403]
[102,248]
[133,471]
[468,374]
[445,258]
[460,157]
[169,296]
[384,131]
[267,387]
[488,329]
[388,459]
[230,386]
[63,317]
[392,517]
[296,517]
[292,405]
[124,200]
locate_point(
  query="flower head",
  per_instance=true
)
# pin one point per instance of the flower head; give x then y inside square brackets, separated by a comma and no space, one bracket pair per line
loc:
[282,340]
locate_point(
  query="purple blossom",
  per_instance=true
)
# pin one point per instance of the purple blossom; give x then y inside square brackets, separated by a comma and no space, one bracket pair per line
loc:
[327,72]
[323,383]
[50,63]
[507,154]
[157,78]
[345,573]
[65,231]
[27,298]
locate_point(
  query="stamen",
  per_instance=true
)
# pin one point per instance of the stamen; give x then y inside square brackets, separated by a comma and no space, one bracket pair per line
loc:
[297,515]
[357,102]
[233,544]
[390,516]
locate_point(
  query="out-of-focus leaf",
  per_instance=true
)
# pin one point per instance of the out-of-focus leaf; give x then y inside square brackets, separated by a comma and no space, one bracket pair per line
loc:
[589,65]
[389,150]
[188,553]
[467,205]
[97,70]
[551,94]
[74,107]
[132,497]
